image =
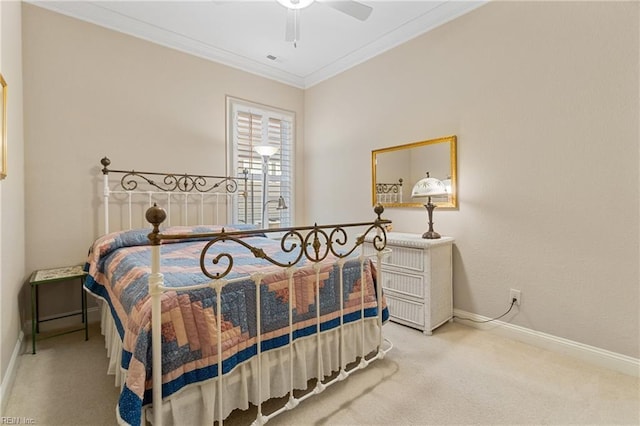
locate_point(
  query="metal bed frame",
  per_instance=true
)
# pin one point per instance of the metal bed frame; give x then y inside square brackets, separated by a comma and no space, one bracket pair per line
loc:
[389,192]
[314,243]
[171,187]
[311,244]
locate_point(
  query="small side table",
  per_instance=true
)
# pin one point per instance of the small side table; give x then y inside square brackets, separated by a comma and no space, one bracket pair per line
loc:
[46,276]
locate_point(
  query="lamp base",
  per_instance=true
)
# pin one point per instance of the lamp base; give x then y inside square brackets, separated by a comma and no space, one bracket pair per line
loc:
[431,235]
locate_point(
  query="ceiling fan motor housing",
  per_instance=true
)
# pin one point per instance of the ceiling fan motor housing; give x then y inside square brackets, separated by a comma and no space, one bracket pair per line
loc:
[295,4]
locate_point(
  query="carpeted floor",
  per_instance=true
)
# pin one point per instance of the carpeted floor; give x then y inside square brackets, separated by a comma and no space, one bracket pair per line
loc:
[460,375]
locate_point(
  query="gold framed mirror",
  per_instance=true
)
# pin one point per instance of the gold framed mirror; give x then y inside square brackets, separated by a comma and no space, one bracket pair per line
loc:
[396,169]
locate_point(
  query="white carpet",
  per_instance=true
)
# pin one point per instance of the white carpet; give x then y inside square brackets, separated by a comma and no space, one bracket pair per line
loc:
[460,375]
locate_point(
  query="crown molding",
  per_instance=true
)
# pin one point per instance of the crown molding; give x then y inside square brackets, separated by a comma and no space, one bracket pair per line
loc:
[103,17]
[442,12]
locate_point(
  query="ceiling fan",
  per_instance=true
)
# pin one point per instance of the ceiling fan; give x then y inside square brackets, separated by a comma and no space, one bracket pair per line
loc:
[352,8]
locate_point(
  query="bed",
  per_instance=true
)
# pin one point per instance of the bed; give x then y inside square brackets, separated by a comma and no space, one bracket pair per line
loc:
[200,320]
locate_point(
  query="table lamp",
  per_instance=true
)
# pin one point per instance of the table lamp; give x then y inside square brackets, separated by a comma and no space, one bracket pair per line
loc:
[265,151]
[429,187]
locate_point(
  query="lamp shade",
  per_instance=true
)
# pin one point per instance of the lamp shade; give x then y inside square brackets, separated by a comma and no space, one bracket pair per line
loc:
[447,184]
[428,187]
[265,150]
[281,204]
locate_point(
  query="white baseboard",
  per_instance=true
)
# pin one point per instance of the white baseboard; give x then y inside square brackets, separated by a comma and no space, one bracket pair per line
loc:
[10,376]
[612,360]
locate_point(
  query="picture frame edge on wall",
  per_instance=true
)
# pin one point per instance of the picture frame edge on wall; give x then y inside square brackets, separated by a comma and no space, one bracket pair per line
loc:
[3,129]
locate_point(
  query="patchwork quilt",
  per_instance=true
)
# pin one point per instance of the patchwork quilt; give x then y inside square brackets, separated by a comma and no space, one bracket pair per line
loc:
[118,271]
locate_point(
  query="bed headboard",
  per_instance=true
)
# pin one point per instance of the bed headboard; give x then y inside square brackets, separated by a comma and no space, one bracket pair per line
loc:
[188,199]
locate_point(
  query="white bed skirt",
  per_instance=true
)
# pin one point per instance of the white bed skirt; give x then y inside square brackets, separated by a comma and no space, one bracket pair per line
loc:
[197,403]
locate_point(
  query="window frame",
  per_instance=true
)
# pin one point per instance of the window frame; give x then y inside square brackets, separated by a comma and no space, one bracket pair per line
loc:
[233,107]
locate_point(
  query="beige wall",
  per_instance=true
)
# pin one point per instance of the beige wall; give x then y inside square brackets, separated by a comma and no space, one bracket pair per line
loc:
[91,92]
[543,97]
[12,223]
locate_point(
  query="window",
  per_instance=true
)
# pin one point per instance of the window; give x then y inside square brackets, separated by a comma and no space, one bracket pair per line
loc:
[249,125]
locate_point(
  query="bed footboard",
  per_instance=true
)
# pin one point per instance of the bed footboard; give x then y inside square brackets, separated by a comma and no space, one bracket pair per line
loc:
[313,254]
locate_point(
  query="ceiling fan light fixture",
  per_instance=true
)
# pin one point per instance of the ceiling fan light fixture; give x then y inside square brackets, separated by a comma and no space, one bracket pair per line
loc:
[295,4]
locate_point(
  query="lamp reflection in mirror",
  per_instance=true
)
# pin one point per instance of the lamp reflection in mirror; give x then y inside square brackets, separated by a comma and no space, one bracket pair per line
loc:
[428,187]
[447,184]
[266,151]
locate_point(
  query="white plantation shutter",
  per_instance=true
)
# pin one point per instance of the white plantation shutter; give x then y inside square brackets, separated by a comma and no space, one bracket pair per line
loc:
[250,125]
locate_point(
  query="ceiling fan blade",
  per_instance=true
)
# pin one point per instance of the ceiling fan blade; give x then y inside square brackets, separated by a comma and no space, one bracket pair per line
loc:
[350,7]
[293,25]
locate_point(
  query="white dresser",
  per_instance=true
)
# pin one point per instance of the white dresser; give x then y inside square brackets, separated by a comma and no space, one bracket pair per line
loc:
[417,280]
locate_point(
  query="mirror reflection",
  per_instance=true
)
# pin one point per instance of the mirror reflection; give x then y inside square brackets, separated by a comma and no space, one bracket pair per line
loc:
[396,169]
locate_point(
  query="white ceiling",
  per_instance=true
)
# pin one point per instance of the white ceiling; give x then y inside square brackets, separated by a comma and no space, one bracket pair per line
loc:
[243,33]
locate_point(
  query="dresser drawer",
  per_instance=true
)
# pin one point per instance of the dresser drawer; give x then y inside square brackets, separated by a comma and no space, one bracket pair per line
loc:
[407,284]
[405,311]
[416,275]
[406,258]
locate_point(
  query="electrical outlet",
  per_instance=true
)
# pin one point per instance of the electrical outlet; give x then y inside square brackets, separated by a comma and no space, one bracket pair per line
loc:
[515,294]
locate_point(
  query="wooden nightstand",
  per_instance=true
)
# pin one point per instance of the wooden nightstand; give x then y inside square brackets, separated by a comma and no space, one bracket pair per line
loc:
[46,276]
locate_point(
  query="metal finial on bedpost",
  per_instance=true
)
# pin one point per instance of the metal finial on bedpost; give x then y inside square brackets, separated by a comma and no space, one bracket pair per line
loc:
[155,215]
[105,165]
[382,225]
[378,209]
